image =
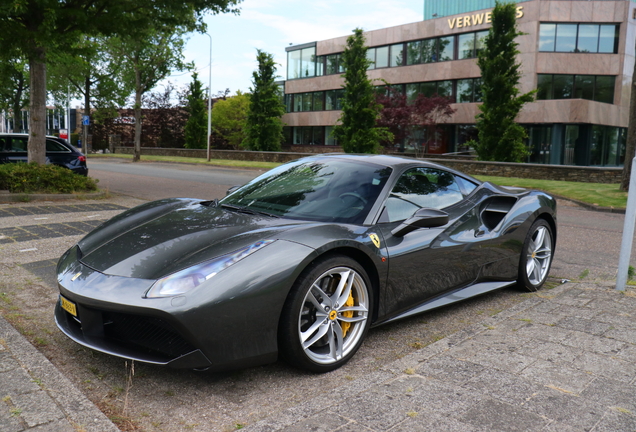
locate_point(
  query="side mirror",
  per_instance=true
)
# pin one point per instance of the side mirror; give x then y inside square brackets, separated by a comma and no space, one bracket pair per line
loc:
[423,218]
[232,189]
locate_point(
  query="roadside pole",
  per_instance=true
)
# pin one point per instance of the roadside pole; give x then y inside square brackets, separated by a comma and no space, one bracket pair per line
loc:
[628,232]
[210,98]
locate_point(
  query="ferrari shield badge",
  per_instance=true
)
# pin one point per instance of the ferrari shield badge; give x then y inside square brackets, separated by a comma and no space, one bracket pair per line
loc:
[375,239]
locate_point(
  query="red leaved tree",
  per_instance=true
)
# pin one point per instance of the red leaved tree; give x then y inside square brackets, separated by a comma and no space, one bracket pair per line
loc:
[403,117]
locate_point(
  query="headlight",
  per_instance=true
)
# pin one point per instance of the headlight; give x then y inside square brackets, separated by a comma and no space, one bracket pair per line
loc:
[184,280]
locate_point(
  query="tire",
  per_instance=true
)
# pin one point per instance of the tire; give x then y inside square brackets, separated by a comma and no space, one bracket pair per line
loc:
[324,321]
[536,256]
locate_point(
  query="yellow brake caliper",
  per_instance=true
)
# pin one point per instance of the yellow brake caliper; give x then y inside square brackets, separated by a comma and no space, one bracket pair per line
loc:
[347,314]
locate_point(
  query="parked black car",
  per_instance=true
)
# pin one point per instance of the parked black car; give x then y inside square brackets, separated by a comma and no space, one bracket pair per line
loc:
[13,148]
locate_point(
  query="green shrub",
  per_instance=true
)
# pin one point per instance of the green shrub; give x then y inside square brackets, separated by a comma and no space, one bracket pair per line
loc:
[34,178]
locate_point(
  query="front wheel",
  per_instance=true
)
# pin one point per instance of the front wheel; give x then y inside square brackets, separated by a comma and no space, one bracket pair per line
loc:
[536,256]
[326,316]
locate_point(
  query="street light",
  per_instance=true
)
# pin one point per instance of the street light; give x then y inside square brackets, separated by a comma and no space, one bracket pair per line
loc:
[209,98]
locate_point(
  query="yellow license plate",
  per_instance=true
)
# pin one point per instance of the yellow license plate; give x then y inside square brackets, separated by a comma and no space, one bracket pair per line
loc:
[68,306]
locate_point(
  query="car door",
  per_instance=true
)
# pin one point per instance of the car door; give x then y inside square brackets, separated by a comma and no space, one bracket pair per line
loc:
[428,261]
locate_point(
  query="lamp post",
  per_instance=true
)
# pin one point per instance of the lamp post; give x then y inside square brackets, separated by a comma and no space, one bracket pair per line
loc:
[209,98]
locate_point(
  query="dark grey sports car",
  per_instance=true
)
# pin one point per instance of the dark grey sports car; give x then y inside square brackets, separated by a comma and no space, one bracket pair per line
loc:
[300,261]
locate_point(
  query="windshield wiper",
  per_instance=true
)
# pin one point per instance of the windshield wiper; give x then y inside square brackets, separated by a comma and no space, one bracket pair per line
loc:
[248,210]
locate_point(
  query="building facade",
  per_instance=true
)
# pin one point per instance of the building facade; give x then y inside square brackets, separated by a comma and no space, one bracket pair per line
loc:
[578,55]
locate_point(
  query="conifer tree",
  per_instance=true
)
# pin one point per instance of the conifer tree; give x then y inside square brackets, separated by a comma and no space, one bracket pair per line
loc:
[264,127]
[357,131]
[500,137]
[197,125]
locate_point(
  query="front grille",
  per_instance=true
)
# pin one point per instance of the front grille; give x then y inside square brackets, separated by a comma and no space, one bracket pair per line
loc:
[151,333]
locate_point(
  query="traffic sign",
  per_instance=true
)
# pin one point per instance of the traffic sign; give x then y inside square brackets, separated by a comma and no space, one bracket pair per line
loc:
[86,120]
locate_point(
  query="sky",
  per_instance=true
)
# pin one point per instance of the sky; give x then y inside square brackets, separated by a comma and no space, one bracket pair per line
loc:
[273,25]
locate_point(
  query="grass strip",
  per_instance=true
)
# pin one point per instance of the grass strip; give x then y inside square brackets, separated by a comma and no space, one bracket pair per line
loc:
[601,194]
[216,162]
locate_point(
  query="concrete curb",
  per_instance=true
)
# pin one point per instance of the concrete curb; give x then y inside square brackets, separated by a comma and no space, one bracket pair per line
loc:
[6,196]
[80,412]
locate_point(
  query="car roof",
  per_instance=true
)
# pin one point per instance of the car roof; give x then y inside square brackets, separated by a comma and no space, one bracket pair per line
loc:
[396,162]
[16,134]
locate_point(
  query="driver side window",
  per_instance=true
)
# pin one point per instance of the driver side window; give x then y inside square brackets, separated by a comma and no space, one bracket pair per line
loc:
[418,188]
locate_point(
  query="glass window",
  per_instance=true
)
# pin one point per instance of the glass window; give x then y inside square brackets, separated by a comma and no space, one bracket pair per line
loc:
[466,45]
[608,39]
[414,53]
[562,86]
[464,90]
[566,37]
[298,135]
[429,51]
[332,64]
[428,89]
[446,48]
[412,90]
[293,64]
[308,62]
[318,135]
[397,58]
[584,87]
[320,65]
[319,101]
[445,88]
[307,102]
[329,138]
[330,100]
[54,146]
[480,40]
[313,190]
[371,58]
[422,188]
[382,57]
[604,91]
[341,66]
[544,87]
[547,37]
[298,102]
[588,38]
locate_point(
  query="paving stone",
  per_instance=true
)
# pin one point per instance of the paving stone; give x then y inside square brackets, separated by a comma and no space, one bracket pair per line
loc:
[444,398]
[616,319]
[558,375]
[55,426]
[565,408]
[614,421]
[540,317]
[628,353]
[552,352]
[16,381]
[613,393]
[605,365]
[7,362]
[543,307]
[321,422]
[598,344]
[375,410]
[450,369]
[622,334]
[502,358]
[498,416]
[609,306]
[426,421]
[353,427]
[506,387]
[9,423]
[583,325]
[578,312]
[572,297]
[37,408]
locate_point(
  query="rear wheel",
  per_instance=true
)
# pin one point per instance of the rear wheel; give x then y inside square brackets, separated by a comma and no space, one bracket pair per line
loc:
[536,256]
[326,315]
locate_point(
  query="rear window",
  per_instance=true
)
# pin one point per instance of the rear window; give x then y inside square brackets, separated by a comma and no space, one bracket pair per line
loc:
[54,146]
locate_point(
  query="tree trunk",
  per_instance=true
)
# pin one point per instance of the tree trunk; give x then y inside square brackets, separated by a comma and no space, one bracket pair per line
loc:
[631,136]
[138,93]
[36,148]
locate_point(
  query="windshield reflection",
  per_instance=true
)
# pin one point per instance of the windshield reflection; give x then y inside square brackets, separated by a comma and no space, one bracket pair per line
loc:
[326,191]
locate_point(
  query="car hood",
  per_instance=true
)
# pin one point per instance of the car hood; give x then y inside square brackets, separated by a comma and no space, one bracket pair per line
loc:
[162,237]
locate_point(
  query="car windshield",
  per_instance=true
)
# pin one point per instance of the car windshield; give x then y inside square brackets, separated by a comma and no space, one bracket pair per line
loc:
[332,190]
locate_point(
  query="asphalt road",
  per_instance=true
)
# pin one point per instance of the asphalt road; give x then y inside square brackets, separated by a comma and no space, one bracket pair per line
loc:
[588,242]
